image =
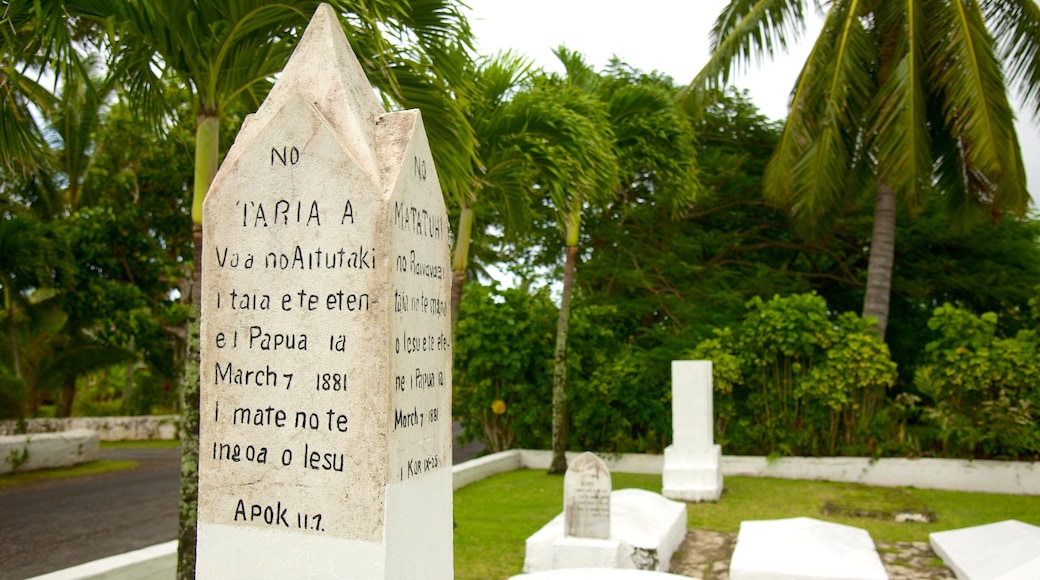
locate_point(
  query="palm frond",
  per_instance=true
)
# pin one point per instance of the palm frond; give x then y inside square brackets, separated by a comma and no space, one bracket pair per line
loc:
[901,121]
[975,107]
[822,139]
[746,30]
[1016,26]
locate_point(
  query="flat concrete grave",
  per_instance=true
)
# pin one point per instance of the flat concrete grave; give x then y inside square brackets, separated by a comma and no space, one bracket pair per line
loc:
[692,463]
[804,548]
[586,498]
[326,355]
[1008,550]
[597,574]
[646,529]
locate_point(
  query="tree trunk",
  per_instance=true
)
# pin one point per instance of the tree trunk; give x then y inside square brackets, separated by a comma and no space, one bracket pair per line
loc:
[559,400]
[12,330]
[189,500]
[206,155]
[459,262]
[882,259]
[68,394]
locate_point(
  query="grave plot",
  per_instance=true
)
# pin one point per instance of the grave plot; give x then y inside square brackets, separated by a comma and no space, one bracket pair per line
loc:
[804,548]
[1008,550]
[630,529]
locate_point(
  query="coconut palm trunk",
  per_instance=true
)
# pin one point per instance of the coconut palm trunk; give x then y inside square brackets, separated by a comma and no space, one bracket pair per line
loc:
[882,259]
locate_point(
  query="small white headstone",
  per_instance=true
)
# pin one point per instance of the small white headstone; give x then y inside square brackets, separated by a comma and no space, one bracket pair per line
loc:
[1008,550]
[645,530]
[326,363]
[586,498]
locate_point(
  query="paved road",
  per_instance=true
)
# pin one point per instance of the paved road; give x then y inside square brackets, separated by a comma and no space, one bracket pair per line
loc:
[55,524]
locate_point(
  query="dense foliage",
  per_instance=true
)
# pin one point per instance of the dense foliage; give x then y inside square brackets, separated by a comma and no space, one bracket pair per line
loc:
[674,253]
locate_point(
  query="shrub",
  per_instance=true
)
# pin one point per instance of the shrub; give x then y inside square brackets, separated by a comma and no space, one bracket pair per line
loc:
[984,390]
[794,380]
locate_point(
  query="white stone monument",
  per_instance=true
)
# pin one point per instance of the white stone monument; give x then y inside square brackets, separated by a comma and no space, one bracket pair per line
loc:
[630,529]
[1008,550]
[804,548]
[326,363]
[692,463]
[586,498]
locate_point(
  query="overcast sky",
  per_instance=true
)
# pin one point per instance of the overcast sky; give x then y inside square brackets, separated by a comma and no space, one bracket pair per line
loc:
[670,36]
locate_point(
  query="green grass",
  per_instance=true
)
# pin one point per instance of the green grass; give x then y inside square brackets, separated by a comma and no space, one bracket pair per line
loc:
[156,444]
[91,468]
[496,515]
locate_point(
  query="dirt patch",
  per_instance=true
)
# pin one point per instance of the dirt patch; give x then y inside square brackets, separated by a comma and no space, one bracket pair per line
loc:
[706,554]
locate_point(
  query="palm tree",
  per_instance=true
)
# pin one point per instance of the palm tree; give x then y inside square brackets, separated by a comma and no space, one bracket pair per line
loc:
[651,158]
[589,175]
[897,99]
[38,45]
[500,165]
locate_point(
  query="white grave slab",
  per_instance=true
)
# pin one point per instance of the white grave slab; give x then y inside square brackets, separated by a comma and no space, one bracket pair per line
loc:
[646,529]
[326,363]
[1008,550]
[586,498]
[692,470]
[804,548]
[597,574]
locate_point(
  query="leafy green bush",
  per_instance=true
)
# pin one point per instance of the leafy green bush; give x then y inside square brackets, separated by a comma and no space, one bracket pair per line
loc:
[504,351]
[503,367]
[984,390]
[794,380]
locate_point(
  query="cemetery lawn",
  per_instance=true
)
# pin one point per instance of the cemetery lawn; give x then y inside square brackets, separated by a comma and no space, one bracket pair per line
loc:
[494,516]
[144,444]
[91,468]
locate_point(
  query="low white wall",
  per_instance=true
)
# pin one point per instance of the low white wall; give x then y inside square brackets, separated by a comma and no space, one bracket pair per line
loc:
[138,428]
[467,472]
[616,462]
[47,450]
[1012,477]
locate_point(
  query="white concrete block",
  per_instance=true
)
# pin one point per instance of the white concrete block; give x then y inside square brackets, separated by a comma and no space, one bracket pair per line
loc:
[804,548]
[692,463]
[646,530]
[1008,550]
[48,450]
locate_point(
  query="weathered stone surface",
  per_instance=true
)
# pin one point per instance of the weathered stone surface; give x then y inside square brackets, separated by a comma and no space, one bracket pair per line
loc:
[586,498]
[326,357]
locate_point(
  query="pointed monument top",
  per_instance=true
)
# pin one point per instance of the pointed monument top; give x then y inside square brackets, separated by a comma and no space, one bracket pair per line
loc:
[324,71]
